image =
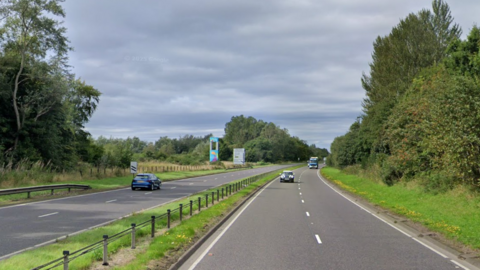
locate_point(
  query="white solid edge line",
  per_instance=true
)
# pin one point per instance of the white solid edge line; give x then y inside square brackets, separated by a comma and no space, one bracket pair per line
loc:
[318,239]
[197,261]
[432,249]
[383,220]
[459,265]
[51,214]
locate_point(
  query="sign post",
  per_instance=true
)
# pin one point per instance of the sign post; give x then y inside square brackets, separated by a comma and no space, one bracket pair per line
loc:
[239,156]
[133,168]
[213,149]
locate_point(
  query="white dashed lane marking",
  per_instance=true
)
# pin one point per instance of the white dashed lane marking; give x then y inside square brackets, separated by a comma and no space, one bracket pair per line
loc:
[112,200]
[318,239]
[51,214]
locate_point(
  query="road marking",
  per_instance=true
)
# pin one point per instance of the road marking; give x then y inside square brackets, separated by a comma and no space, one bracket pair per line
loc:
[299,188]
[51,214]
[216,178]
[148,193]
[225,230]
[303,201]
[190,184]
[318,239]
[308,214]
[173,187]
[204,180]
[380,218]
[459,265]
[300,193]
[432,249]
[112,201]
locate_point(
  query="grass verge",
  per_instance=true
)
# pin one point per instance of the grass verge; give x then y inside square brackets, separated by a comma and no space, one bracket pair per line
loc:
[156,253]
[453,214]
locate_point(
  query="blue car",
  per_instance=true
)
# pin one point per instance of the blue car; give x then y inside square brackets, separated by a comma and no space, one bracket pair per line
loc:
[147,181]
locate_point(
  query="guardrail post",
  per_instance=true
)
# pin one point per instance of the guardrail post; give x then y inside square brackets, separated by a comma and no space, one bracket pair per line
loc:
[168,219]
[52,191]
[218,195]
[28,195]
[213,197]
[206,200]
[191,207]
[133,235]
[65,259]
[199,203]
[105,250]
[153,226]
[222,193]
[181,211]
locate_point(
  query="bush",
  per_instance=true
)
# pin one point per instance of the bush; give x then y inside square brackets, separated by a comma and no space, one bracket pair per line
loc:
[390,174]
[437,183]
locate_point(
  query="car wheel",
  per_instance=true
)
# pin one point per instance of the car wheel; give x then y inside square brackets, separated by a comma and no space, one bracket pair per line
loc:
[133,188]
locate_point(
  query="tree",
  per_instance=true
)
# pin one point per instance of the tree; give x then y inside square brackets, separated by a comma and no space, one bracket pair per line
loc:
[417,42]
[30,34]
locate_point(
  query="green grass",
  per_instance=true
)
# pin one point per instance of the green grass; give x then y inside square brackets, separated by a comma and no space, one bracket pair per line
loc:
[174,239]
[454,214]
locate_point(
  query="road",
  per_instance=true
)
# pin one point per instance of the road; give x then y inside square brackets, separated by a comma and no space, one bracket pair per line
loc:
[309,225]
[26,225]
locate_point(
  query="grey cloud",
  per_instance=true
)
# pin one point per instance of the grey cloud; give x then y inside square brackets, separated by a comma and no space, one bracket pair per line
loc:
[170,68]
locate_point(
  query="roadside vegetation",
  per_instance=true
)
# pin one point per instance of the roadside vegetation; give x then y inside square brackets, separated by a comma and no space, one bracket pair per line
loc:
[419,132]
[164,249]
[453,213]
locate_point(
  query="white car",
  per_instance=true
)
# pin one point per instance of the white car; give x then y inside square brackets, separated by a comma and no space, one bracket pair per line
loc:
[287,176]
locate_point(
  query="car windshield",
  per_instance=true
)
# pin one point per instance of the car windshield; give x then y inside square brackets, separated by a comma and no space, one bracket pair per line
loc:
[143,177]
[288,173]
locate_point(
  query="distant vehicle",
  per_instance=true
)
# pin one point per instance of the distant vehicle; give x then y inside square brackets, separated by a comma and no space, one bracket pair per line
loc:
[313,163]
[146,181]
[287,176]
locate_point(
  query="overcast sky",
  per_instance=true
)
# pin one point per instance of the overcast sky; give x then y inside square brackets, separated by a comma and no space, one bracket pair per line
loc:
[171,68]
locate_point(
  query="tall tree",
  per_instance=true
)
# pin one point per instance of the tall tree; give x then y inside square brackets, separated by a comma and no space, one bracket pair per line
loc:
[30,34]
[417,42]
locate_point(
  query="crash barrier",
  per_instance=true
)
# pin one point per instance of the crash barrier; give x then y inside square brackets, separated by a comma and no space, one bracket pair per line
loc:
[182,210]
[27,190]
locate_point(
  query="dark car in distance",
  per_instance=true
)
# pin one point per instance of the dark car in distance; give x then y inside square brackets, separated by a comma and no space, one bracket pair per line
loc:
[146,181]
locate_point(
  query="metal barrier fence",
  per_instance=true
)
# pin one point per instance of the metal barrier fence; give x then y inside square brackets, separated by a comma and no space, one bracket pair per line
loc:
[28,190]
[224,192]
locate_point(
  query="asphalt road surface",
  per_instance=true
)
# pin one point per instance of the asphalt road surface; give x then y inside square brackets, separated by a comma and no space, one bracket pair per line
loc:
[26,225]
[309,225]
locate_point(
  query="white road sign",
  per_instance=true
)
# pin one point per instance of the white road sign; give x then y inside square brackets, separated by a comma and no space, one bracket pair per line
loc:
[133,167]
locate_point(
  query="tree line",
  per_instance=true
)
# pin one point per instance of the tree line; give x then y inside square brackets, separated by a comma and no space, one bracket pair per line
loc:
[421,113]
[263,142]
